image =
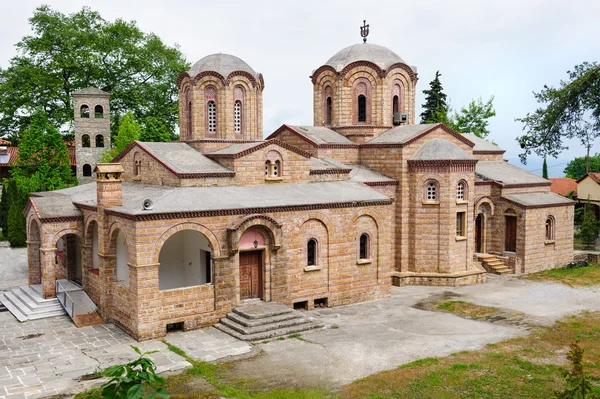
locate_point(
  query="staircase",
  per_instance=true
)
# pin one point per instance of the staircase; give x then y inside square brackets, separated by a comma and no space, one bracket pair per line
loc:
[26,303]
[492,264]
[258,320]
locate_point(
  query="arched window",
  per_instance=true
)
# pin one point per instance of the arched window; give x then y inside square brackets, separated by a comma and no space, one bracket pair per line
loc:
[328,116]
[137,164]
[274,164]
[188,102]
[364,246]
[99,112]
[395,105]
[99,140]
[84,111]
[460,191]
[85,140]
[87,170]
[311,252]
[185,260]
[237,116]
[550,228]
[362,108]
[212,116]
[431,191]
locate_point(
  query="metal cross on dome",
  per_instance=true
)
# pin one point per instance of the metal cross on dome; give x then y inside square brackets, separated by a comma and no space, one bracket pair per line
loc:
[364,31]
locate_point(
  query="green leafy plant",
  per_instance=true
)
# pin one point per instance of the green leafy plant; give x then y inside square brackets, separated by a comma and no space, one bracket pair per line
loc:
[129,381]
[577,382]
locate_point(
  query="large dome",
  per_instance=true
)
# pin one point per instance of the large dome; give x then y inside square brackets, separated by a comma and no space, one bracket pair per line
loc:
[381,56]
[221,63]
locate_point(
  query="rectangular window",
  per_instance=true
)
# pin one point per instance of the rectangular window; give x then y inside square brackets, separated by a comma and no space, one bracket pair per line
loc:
[460,224]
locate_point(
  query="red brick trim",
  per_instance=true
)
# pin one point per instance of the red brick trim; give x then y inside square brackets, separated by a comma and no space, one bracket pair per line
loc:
[381,183]
[242,211]
[525,185]
[356,64]
[204,175]
[329,171]
[252,217]
[488,152]
[62,219]
[182,76]
[446,165]
[320,69]
[413,75]
[338,146]
[245,74]
[222,141]
[208,73]
[365,126]
[537,206]
[259,146]
[261,80]
[487,183]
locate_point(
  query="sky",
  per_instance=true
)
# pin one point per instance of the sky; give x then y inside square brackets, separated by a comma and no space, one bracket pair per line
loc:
[507,48]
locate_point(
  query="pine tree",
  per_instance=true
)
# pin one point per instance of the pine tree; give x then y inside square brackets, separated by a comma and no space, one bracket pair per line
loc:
[435,108]
[545,169]
[43,163]
[129,130]
[16,231]
[590,228]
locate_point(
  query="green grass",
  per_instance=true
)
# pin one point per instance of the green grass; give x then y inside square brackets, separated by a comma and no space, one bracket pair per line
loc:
[576,276]
[467,309]
[527,367]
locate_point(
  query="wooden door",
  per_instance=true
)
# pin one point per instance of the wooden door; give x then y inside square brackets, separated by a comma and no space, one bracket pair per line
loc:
[510,239]
[478,234]
[251,274]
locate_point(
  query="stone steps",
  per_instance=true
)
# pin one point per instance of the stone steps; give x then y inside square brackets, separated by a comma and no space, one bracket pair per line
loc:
[258,321]
[492,264]
[25,304]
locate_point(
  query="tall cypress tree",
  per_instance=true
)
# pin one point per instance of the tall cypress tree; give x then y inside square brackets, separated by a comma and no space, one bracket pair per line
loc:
[4,207]
[545,169]
[435,108]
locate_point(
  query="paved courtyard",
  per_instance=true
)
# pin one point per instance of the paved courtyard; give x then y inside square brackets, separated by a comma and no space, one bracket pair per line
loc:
[13,266]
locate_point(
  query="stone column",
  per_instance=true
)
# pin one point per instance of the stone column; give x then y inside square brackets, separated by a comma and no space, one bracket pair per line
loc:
[225,275]
[86,264]
[48,268]
[33,262]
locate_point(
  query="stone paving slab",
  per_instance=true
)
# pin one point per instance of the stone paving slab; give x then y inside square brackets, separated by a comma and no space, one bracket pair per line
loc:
[41,358]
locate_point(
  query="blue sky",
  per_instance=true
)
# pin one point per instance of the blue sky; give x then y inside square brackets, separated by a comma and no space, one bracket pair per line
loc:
[503,48]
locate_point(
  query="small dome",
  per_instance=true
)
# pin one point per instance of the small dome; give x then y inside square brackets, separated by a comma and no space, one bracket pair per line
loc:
[221,63]
[440,149]
[381,56]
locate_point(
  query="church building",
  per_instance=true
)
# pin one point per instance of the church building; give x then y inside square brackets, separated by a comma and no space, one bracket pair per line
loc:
[180,233]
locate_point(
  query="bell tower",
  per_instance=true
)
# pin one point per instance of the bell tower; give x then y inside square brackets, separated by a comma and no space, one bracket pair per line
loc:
[92,130]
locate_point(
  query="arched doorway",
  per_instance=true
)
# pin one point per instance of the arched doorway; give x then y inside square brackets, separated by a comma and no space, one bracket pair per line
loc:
[252,245]
[185,260]
[68,258]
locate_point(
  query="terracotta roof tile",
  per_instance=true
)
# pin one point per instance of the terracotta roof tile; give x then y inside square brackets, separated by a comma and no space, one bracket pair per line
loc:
[563,185]
[14,155]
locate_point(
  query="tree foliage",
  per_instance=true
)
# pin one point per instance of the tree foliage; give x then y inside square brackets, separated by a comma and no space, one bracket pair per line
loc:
[590,228]
[155,130]
[577,381]
[129,130]
[4,208]
[16,224]
[545,169]
[43,163]
[67,52]
[435,108]
[575,169]
[570,111]
[474,118]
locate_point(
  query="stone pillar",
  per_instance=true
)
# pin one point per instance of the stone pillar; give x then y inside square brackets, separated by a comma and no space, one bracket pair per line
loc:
[225,276]
[86,264]
[143,286]
[48,268]
[33,262]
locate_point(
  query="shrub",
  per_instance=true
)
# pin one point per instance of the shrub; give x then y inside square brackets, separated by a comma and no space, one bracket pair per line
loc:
[577,382]
[16,231]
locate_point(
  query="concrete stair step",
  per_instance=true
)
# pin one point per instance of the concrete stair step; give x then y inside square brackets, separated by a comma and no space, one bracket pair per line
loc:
[13,309]
[27,307]
[261,310]
[494,263]
[268,334]
[35,295]
[32,303]
[259,322]
[263,328]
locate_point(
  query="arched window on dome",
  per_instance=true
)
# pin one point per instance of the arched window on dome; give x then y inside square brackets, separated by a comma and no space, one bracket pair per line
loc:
[238,110]
[397,107]
[327,105]
[328,111]
[188,112]
[362,108]
[210,96]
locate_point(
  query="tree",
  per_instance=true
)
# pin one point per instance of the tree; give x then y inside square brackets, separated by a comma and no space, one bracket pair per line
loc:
[474,118]
[43,163]
[129,130]
[16,227]
[4,208]
[590,228]
[435,108]
[67,52]
[577,382]
[570,111]
[545,169]
[155,130]
[576,169]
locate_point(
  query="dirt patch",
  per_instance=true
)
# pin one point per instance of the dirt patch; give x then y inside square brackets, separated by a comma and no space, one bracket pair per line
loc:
[450,302]
[30,336]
